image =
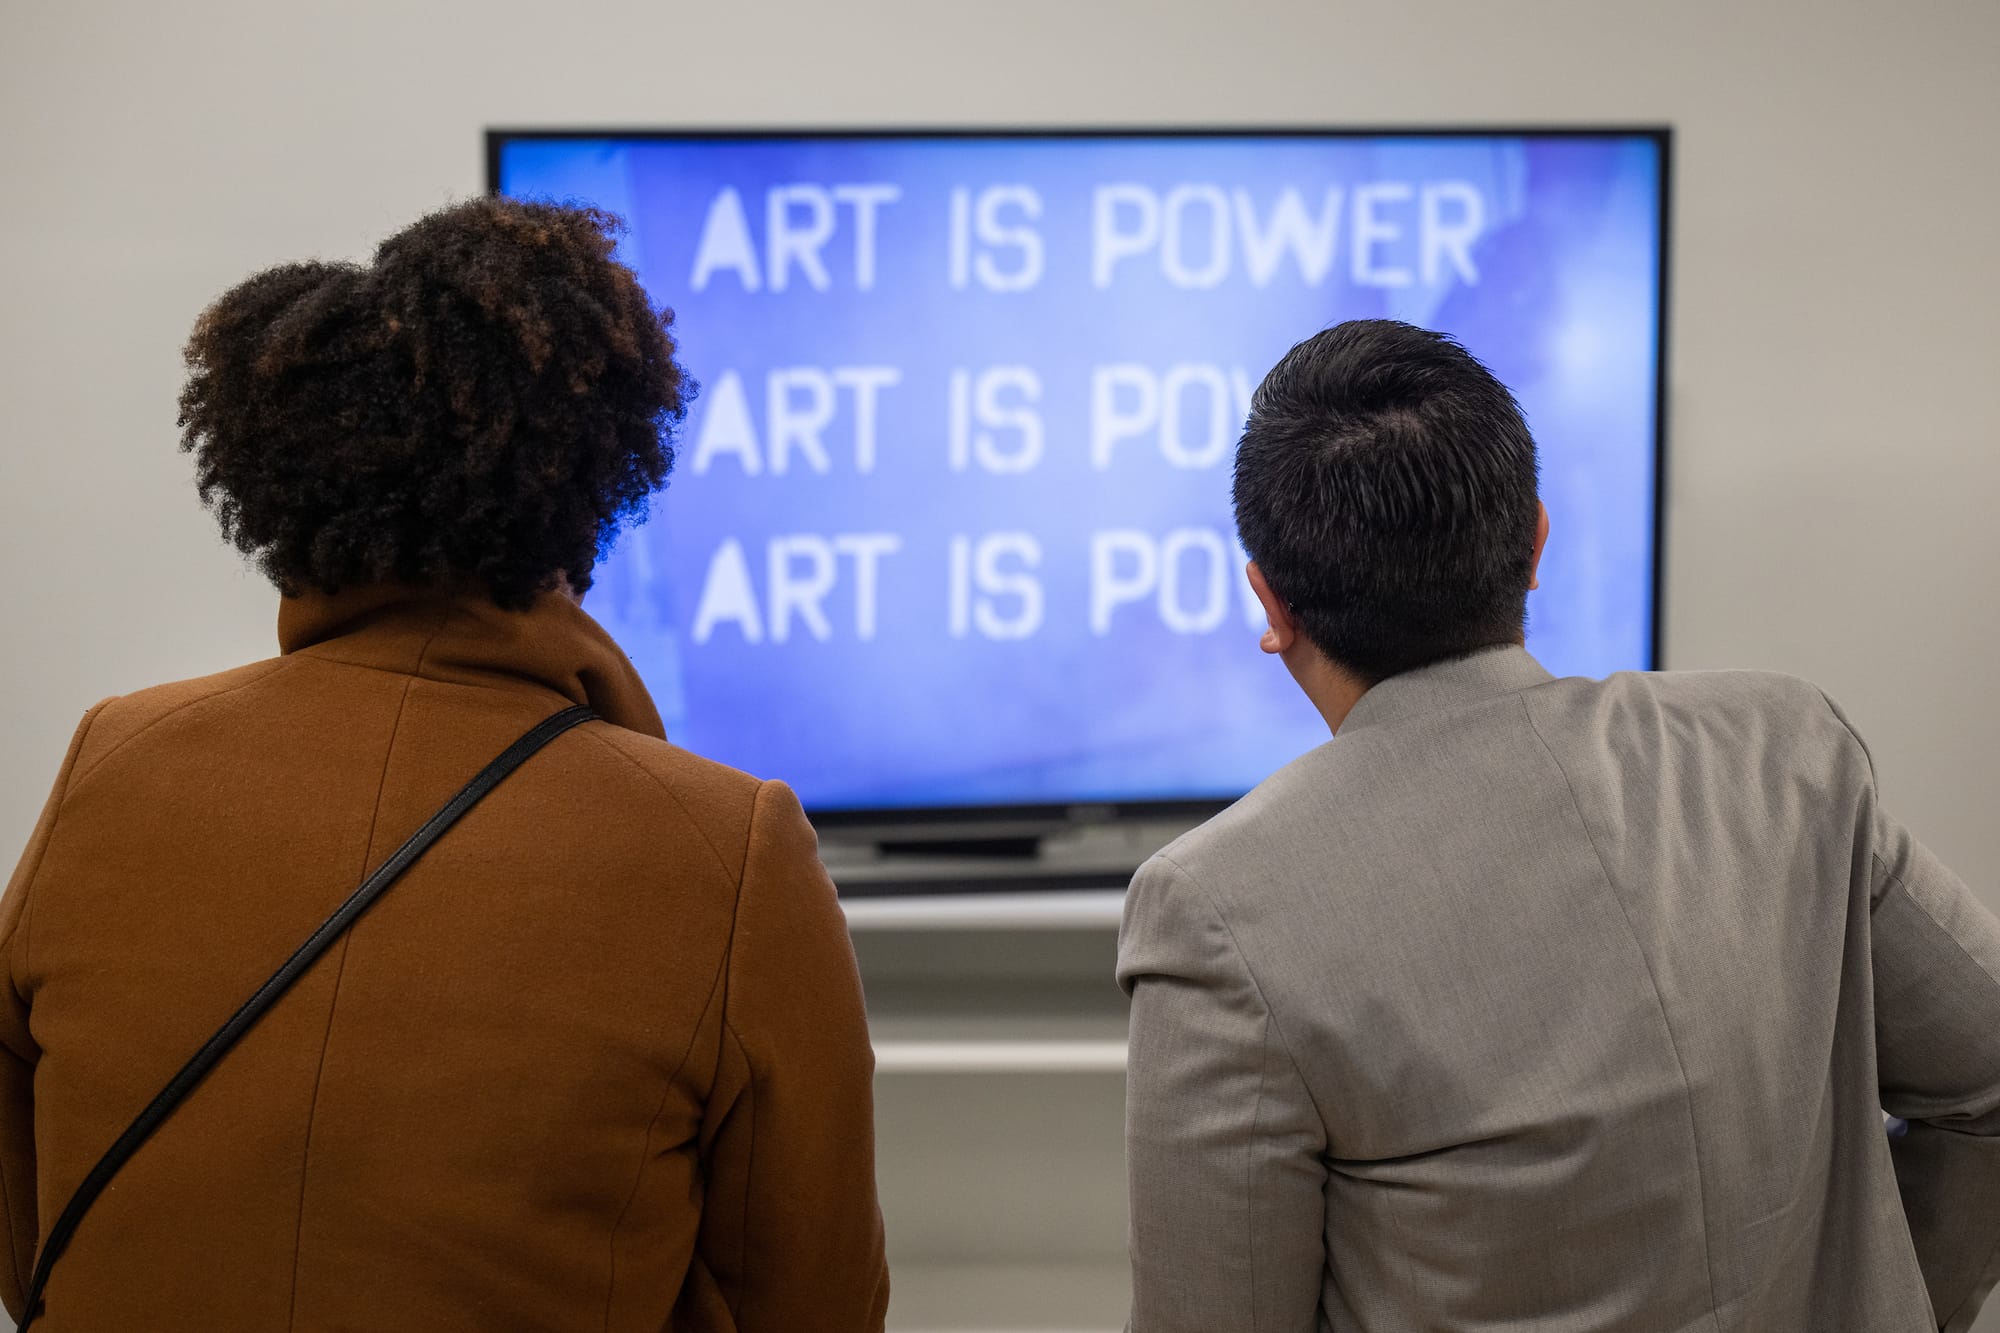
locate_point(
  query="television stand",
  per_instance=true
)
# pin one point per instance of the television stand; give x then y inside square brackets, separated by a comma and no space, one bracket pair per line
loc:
[982,848]
[907,862]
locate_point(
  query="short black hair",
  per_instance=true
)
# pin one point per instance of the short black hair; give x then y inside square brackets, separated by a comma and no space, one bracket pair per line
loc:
[479,409]
[1386,485]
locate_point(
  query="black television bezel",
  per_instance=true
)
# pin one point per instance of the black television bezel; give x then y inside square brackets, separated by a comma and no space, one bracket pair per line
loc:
[984,821]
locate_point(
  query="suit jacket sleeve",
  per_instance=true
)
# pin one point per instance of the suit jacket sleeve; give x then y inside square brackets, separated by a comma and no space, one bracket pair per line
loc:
[790,1223]
[1936,961]
[1224,1145]
[19,1053]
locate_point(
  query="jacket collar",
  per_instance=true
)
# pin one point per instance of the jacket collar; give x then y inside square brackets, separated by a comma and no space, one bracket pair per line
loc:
[466,639]
[1452,683]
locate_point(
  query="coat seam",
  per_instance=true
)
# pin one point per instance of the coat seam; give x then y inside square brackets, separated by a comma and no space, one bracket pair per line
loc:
[7,1202]
[719,988]
[1270,1017]
[67,783]
[675,797]
[1904,885]
[1271,1028]
[307,655]
[25,927]
[735,1301]
[340,974]
[1249,1169]
[312,1116]
[1659,1001]
[271,669]
[646,1144]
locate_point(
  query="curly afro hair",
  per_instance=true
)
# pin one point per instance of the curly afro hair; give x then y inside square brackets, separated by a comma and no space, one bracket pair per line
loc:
[480,409]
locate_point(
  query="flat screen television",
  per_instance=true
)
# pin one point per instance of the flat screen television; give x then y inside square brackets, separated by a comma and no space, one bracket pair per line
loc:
[949,538]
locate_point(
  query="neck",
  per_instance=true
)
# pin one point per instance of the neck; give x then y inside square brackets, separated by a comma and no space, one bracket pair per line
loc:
[1333,690]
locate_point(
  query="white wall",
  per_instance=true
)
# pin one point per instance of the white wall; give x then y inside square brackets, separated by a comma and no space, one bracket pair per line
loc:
[1836,274]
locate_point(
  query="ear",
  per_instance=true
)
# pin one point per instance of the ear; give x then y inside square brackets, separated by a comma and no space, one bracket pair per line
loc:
[1283,630]
[1541,540]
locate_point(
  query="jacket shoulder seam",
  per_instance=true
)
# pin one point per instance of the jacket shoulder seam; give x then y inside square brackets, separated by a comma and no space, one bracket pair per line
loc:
[271,668]
[1922,907]
[69,779]
[1270,1015]
[1659,1001]
[646,1144]
[340,972]
[736,874]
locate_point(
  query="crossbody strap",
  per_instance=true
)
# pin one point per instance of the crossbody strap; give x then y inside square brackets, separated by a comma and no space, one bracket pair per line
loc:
[271,991]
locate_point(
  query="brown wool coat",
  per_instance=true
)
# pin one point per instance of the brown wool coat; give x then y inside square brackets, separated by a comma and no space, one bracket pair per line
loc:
[599,1061]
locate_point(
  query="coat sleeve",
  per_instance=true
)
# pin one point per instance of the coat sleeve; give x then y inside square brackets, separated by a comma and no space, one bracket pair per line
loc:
[18,1051]
[1224,1145]
[790,1224]
[1935,955]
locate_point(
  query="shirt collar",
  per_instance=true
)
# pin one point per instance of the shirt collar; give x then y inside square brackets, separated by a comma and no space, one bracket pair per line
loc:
[1452,683]
[466,639]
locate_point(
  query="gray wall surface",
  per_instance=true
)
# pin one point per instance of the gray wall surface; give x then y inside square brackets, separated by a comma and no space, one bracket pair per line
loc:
[1835,275]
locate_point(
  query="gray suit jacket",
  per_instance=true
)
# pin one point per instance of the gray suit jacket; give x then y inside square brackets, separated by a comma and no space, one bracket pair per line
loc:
[1536,1004]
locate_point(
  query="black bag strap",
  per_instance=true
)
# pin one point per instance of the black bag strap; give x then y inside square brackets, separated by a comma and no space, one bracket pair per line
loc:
[281,981]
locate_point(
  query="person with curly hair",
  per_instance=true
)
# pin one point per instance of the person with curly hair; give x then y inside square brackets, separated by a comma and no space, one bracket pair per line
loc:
[600,1059]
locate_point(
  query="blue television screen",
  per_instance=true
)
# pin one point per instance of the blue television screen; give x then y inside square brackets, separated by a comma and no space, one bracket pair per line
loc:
[950,524]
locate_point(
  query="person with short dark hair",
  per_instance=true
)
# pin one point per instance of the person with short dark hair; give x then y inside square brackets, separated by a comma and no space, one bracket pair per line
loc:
[1388,485]
[1527,1003]
[599,1058]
